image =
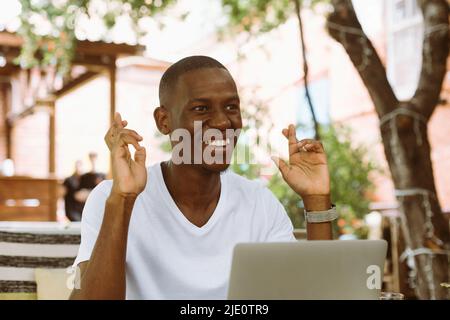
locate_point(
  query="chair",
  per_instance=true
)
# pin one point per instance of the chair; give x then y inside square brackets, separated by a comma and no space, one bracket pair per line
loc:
[29,251]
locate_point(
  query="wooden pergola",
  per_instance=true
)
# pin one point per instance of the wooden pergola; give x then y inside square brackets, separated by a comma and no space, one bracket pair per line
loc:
[22,92]
[41,87]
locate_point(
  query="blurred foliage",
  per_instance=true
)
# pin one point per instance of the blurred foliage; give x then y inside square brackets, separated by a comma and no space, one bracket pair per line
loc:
[259,16]
[48,26]
[255,16]
[349,167]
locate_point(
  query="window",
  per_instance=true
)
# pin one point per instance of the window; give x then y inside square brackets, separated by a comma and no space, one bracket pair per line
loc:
[405,37]
[405,9]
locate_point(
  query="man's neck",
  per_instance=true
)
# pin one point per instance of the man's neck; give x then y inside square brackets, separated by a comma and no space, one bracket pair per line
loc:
[195,190]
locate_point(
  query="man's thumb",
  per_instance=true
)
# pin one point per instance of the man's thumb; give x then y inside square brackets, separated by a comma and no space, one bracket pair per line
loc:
[281,164]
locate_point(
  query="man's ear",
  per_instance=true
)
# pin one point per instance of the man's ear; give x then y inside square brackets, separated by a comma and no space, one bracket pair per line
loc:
[162,120]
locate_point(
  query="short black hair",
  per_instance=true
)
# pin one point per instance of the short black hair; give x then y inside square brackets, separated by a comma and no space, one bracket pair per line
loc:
[171,75]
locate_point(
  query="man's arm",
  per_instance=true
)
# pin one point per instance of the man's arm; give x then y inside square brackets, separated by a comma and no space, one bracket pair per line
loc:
[103,276]
[307,174]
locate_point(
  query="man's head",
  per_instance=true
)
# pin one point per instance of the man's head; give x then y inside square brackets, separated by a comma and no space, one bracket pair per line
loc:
[93,158]
[78,167]
[200,89]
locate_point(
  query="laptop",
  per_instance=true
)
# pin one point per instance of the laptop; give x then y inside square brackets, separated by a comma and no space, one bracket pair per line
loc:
[306,270]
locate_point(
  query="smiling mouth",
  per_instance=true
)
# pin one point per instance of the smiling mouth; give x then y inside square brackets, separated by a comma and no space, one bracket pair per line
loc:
[218,143]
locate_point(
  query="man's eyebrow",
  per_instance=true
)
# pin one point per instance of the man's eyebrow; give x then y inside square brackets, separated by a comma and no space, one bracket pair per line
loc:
[234,98]
[206,100]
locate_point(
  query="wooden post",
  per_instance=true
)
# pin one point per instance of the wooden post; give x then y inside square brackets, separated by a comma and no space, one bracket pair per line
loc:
[395,253]
[51,140]
[53,187]
[6,98]
[112,100]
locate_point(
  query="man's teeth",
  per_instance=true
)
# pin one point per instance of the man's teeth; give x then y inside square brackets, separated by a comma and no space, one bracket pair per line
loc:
[218,143]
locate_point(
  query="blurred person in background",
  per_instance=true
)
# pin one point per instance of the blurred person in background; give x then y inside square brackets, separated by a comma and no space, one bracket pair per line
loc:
[71,185]
[78,186]
[89,180]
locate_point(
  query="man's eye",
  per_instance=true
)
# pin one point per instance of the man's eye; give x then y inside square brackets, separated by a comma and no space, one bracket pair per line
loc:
[231,107]
[200,108]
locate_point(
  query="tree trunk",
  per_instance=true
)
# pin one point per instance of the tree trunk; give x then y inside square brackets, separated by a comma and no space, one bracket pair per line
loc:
[403,126]
[408,154]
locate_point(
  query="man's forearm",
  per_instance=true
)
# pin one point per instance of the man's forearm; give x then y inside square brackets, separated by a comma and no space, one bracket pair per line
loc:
[318,231]
[104,276]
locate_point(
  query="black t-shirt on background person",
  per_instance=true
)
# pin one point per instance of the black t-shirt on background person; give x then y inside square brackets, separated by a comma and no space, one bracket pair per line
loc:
[88,181]
[73,207]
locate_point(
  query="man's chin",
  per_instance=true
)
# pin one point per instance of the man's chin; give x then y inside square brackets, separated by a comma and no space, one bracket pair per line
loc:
[216,167]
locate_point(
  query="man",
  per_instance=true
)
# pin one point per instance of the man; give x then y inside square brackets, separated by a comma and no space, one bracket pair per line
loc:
[78,186]
[168,231]
[71,184]
[89,180]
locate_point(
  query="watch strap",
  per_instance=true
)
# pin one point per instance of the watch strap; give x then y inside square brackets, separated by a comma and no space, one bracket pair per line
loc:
[321,216]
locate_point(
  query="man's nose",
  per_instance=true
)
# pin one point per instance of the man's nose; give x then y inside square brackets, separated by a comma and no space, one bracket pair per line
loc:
[219,120]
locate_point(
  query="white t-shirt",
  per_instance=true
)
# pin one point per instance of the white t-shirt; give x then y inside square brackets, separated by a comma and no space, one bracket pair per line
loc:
[168,257]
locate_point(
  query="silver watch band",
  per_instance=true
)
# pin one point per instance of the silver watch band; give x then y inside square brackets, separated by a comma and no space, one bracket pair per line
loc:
[321,216]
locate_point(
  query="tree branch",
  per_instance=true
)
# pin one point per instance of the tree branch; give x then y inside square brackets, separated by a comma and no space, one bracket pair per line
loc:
[434,55]
[306,69]
[343,25]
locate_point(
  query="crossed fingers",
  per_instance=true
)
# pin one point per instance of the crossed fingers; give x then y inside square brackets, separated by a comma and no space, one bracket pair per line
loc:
[304,145]
[118,136]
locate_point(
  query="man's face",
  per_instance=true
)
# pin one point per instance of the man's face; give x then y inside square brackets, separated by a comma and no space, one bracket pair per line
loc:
[209,96]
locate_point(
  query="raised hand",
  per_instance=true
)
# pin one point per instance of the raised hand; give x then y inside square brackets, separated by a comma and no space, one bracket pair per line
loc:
[307,171]
[129,175]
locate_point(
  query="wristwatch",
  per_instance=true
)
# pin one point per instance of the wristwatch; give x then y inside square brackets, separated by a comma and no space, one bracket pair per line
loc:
[321,216]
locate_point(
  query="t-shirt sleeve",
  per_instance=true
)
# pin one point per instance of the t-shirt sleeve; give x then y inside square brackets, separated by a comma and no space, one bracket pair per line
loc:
[68,185]
[280,226]
[91,219]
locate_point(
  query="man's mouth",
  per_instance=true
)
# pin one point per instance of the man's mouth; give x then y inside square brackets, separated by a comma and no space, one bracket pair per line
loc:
[218,143]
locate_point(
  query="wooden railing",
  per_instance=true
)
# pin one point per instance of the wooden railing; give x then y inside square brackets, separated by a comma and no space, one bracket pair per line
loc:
[28,199]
